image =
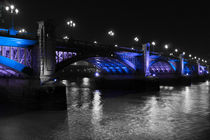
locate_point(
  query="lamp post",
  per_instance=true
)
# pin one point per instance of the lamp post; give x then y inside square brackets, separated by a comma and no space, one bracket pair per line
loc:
[166,47]
[12,10]
[71,24]
[136,42]
[111,34]
[153,44]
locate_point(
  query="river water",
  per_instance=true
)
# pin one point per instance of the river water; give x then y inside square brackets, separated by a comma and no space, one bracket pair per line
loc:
[172,113]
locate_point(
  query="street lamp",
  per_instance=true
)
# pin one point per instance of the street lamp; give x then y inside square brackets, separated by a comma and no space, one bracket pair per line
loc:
[111,33]
[166,47]
[153,43]
[71,24]
[66,38]
[190,55]
[11,9]
[176,50]
[136,39]
[22,31]
[95,42]
[183,53]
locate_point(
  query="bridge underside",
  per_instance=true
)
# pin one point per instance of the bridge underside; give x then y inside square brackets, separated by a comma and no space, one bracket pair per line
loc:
[110,65]
[8,72]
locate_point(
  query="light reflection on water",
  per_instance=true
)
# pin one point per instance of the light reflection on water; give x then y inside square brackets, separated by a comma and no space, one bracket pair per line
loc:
[172,113]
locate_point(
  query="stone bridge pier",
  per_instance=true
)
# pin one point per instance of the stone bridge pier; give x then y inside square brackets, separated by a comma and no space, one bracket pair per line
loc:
[44,53]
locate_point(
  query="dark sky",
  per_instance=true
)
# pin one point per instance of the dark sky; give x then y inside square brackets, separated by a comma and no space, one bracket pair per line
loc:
[183,26]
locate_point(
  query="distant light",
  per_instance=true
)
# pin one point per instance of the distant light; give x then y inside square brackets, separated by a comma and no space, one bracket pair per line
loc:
[153,43]
[190,55]
[22,31]
[66,38]
[111,33]
[86,81]
[12,7]
[71,23]
[166,46]
[183,53]
[199,59]
[54,80]
[132,48]
[205,61]
[171,54]
[7,8]
[176,50]
[195,57]
[95,42]
[153,75]
[187,74]
[136,39]
[16,11]
[97,74]
[116,45]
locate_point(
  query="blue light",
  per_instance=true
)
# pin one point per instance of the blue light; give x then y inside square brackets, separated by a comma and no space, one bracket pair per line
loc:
[97,74]
[109,65]
[11,64]
[16,42]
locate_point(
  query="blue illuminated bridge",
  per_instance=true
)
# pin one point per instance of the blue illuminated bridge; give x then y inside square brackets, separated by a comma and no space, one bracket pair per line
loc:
[45,57]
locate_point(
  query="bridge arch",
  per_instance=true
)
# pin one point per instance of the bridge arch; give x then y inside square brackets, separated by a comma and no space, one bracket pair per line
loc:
[102,65]
[160,66]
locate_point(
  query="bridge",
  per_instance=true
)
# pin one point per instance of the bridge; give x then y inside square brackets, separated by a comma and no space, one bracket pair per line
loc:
[45,57]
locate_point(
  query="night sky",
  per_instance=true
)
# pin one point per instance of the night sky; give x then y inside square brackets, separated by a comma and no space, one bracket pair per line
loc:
[182,26]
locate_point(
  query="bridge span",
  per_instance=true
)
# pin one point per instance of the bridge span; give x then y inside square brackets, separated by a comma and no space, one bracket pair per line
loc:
[29,64]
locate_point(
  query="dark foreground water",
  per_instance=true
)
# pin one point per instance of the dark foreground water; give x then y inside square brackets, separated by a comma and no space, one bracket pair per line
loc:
[173,113]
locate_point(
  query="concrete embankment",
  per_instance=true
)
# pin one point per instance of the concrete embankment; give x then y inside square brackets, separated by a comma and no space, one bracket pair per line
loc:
[28,93]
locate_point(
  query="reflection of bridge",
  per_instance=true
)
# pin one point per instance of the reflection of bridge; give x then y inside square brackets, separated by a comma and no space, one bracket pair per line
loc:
[45,57]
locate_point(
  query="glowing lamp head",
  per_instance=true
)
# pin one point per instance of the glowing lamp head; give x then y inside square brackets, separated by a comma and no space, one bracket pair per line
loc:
[136,39]
[7,8]
[176,50]
[153,43]
[12,7]
[166,47]
[66,38]
[16,11]
[111,33]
